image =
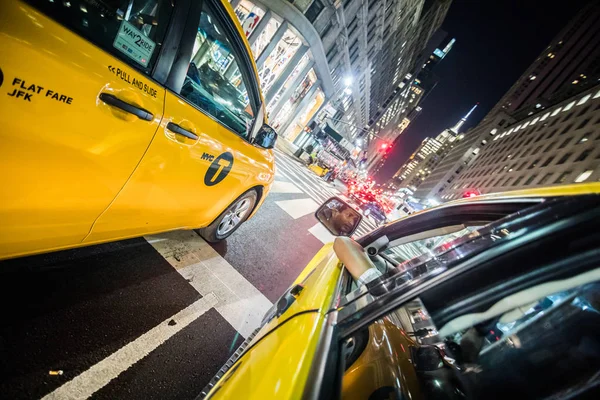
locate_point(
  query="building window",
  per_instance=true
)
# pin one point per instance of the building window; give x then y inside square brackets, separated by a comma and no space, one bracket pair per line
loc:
[519,179]
[565,143]
[566,129]
[585,138]
[564,158]
[550,146]
[563,177]
[545,178]
[583,123]
[548,161]
[552,134]
[528,141]
[507,181]
[533,164]
[521,166]
[583,155]
[327,29]
[584,175]
[525,152]
[249,16]
[530,179]
[586,109]
[536,150]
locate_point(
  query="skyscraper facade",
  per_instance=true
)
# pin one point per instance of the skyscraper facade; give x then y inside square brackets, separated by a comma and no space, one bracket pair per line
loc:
[548,84]
[426,158]
[346,57]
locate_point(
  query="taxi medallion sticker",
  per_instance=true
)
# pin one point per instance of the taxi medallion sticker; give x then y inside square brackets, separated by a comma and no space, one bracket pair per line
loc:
[218,169]
[134,44]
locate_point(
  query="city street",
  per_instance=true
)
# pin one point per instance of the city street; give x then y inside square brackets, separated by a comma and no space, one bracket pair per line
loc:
[154,317]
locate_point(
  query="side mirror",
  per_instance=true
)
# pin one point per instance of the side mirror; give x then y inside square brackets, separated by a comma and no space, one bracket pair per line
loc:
[266,137]
[338,217]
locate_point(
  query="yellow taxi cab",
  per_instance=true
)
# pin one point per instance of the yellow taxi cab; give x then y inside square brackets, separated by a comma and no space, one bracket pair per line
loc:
[494,296]
[124,118]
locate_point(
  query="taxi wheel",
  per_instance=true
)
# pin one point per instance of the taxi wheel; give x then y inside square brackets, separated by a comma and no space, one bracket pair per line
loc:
[230,219]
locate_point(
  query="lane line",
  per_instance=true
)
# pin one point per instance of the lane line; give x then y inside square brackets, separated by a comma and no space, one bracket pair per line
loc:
[298,208]
[308,190]
[239,302]
[99,375]
[320,232]
[284,187]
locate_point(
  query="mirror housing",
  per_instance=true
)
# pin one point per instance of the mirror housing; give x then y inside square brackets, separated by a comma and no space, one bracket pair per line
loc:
[338,217]
[266,137]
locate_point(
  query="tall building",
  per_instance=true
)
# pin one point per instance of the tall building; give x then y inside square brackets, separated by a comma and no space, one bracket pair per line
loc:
[555,146]
[427,156]
[340,59]
[568,65]
[548,88]
[405,108]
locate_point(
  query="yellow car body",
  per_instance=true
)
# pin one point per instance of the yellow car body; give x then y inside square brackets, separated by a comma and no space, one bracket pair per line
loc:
[76,171]
[284,359]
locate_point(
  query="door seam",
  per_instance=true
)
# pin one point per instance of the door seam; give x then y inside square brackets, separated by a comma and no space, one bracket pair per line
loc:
[134,169]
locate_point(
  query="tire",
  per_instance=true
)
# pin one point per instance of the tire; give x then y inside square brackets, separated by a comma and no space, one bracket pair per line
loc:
[230,219]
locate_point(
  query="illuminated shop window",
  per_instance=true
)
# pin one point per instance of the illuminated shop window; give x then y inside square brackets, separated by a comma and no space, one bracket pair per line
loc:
[297,70]
[249,15]
[278,59]
[289,109]
[264,37]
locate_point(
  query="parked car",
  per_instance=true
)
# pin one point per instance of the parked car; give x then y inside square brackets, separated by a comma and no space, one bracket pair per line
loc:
[492,297]
[123,119]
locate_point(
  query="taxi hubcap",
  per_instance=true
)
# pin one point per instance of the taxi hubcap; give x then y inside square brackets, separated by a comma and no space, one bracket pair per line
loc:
[233,217]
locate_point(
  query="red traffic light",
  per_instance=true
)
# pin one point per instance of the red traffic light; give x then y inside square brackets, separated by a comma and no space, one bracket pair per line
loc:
[384,146]
[469,194]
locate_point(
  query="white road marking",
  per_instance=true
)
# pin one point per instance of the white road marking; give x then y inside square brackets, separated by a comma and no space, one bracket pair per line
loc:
[299,207]
[320,232]
[315,187]
[95,378]
[284,187]
[239,302]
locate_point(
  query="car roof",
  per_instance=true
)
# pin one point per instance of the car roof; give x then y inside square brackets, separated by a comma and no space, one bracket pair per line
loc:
[543,192]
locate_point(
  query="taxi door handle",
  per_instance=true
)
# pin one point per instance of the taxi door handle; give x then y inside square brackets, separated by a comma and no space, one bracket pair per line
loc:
[114,101]
[180,131]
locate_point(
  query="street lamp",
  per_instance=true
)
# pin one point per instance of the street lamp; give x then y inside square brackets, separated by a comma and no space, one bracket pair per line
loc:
[348,81]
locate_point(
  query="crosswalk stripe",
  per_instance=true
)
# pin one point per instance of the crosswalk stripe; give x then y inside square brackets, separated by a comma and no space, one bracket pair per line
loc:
[307,188]
[298,207]
[240,303]
[285,187]
[307,176]
[313,186]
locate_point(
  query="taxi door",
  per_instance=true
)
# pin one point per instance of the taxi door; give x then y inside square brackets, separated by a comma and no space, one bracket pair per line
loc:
[79,109]
[201,159]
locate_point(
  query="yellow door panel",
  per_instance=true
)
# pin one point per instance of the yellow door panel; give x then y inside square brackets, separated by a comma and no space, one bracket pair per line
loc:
[185,182]
[278,366]
[65,153]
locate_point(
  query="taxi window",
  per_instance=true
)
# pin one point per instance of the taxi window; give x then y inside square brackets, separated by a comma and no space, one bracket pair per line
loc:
[407,251]
[131,30]
[548,349]
[214,82]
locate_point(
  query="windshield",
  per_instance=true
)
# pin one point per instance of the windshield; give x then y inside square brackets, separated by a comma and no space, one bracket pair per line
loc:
[442,253]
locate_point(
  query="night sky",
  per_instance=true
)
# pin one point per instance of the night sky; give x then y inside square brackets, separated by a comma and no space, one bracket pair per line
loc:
[495,42]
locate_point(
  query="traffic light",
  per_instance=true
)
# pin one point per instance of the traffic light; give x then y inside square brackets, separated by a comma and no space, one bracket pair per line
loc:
[469,194]
[384,146]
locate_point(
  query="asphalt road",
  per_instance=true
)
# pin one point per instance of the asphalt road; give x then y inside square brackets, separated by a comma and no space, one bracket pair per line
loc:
[153,317]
